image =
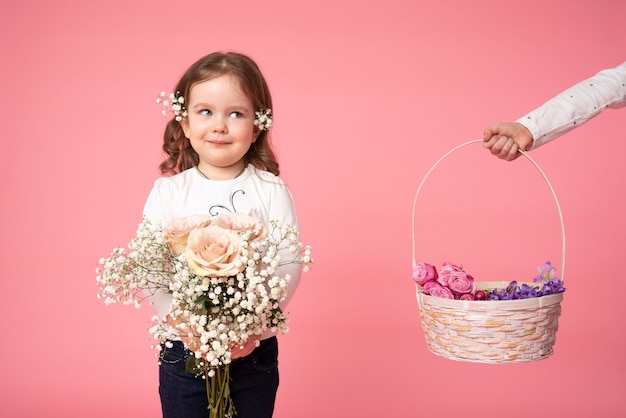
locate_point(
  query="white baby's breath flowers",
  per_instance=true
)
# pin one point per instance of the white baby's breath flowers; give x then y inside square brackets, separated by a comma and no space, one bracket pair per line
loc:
[218,313]
[263,119]
[172,103]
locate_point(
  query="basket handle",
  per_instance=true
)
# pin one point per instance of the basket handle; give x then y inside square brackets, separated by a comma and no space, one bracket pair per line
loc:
[556,201]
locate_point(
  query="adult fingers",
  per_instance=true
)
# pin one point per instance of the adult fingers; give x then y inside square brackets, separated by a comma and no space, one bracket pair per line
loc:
[507,149]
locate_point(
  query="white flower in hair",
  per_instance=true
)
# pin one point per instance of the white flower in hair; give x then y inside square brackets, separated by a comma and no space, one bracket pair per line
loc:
[174,103]
[263,119]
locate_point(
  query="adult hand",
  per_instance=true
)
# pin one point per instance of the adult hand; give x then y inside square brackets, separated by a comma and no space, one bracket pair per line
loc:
[504,139]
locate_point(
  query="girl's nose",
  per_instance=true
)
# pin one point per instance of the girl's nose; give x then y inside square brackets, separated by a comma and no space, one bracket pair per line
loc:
[219,126]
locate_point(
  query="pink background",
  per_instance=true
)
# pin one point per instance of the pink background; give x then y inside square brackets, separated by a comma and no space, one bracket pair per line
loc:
[367,96]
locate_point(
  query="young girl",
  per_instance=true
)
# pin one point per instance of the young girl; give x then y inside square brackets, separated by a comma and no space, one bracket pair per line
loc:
[220,160]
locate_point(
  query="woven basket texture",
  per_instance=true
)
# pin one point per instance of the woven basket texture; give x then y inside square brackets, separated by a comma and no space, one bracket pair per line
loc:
[490,331]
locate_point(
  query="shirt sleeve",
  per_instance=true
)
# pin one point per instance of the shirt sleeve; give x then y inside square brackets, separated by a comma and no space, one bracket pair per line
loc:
[158,210]
[158,207]
[283,209]
[577,105]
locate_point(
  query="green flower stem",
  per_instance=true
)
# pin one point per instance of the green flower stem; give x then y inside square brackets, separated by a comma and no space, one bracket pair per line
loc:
[218,392]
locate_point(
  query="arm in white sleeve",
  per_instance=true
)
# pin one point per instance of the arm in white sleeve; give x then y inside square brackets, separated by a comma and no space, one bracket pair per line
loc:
[295,272]
[282,208]
[158,211]
[577,105]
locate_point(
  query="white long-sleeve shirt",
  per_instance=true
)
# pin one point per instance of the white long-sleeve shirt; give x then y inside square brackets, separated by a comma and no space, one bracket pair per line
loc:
[577,105]
[188,193]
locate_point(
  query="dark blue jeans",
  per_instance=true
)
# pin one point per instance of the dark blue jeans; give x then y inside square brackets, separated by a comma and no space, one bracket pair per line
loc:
[253,384]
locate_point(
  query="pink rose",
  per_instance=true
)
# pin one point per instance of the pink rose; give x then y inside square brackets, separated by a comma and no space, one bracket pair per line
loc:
[214,251]
[423,272]
[436,289]
[240,222]
[446,270]
[461,283]
[177,232]
[467,296]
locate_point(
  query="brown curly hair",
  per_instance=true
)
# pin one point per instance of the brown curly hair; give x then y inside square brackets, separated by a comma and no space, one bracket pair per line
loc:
[181,155]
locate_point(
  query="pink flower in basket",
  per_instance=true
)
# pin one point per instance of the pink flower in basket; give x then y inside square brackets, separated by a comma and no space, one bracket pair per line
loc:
[434,288]
[461,283]
[449,282]
[423,273]
[447,269]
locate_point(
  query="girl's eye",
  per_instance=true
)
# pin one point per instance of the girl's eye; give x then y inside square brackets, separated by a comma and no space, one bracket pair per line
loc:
[235,115]
[205,112]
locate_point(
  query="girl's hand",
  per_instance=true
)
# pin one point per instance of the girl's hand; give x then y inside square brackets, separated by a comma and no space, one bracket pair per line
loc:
[238,351]
[504,139]
[193,342]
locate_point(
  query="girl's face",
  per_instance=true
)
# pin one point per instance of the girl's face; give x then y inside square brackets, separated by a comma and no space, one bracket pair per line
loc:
[220,126]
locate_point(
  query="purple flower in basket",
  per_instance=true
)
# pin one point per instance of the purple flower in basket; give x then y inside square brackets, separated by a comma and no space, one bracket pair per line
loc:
[526,291]
[514,291]
[435,288]
[546,272]
[512,287]
[495,295]
[552,286]
[511,292]
[508,293]
[423,273]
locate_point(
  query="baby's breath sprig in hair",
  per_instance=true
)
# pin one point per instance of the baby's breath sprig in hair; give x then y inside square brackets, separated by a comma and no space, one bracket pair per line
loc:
[263,119]
[175,104]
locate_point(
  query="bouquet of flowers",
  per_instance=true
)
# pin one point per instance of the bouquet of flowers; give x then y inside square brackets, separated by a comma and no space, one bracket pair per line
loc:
[452,282]
[224,275]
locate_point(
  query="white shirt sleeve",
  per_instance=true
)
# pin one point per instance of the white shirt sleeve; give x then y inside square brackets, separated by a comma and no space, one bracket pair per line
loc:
[159,207]
[157,210]
[577,105]
[282,208]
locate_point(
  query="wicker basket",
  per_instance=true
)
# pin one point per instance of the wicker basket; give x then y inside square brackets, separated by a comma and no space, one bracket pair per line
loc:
[502,331]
